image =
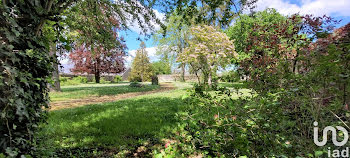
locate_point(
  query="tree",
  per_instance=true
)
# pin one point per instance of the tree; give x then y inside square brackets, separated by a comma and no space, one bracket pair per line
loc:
[99,48]
[26,64]
[161,67]
[271,46]
[208,51]
[141,69]
[244,25]
[208,12]
[99,62]
[256,46]
[172,41]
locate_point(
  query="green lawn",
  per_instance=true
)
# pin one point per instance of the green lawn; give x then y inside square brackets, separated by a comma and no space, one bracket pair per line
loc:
[89,90]
[118,125]
[112,127]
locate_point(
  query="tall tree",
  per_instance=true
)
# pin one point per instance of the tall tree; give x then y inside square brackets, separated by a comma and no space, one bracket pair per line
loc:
[25,62]
[208,50]
[99,47]
[141,69]
[99,61]
[182,14]
[25,66]
[210,12]
[172,41]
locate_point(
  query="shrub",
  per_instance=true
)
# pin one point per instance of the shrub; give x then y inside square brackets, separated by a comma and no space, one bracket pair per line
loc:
[64,79]
[67,81]
[230,76]
[103,80]
[252,126]
[80,79]
[117,79]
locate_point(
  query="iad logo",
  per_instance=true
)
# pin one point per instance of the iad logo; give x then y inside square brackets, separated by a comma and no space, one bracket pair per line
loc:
[334,135]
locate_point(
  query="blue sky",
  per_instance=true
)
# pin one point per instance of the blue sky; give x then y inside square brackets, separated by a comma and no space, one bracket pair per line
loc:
[339,9]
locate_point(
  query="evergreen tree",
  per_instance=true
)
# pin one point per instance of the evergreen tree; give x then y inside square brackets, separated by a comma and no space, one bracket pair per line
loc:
[141,69]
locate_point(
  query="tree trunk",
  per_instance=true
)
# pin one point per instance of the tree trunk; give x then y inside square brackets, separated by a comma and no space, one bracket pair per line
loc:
[210,80]
[183,73]
[141,76]
[198,78]
[56,78]
[55,74]
[205,78]
[97,76]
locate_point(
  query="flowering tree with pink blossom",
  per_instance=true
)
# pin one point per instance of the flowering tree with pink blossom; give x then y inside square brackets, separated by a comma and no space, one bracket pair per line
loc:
[208,51]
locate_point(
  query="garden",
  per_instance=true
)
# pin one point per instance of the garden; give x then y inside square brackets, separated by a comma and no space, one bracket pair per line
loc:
[174,78]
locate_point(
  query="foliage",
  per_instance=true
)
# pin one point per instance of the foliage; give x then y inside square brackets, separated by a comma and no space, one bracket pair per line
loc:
[141,69]
[245,25]
[298,71]
[25,66]
[172,41]
[65,81]
[99,48]
[209,12]
[117,79]
[103,61]
[161,68]
[230,76]
[216,125]
[208,51]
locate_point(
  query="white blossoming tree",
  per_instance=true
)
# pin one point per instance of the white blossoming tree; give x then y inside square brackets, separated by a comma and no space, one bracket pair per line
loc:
[208,51]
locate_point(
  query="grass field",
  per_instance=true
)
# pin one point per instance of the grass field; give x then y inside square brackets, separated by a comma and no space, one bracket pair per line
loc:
[89,90]
[99,129]
[121,125]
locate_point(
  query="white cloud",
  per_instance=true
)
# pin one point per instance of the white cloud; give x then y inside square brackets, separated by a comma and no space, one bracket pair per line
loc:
[132,53]
[134,26]
[315,7]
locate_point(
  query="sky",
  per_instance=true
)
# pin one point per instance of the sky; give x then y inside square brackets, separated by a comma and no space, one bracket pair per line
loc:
[339,9]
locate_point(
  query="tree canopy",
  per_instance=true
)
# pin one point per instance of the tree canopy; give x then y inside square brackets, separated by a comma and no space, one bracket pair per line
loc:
[141,69]
[208,50]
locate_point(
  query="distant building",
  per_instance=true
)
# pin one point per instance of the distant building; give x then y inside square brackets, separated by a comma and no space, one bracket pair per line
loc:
[126,74]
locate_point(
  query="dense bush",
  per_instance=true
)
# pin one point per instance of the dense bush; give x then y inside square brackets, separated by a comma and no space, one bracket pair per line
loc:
[215,125]
[67,81]
[299,71]
[117,79]
[64,79]
[230,76]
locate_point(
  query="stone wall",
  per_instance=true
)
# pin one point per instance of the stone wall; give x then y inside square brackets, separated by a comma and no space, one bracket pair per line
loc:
[176,77]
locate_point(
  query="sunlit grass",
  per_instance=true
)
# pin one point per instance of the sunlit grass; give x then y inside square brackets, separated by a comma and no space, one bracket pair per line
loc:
[122,124]
[90,90]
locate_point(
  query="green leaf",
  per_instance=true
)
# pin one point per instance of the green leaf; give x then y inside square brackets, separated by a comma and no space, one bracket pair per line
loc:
[318,153]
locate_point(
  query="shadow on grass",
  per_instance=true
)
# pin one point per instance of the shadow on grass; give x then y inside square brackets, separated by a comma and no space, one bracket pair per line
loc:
[118,125]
